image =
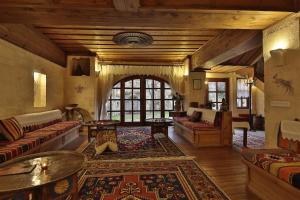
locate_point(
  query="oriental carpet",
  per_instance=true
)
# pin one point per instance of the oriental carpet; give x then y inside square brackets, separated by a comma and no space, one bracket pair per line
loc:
[133,143]
[255,140]
[147,180]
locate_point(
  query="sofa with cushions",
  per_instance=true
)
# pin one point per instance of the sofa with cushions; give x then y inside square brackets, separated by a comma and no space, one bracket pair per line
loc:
[35,132]
[205,127]
[275,173]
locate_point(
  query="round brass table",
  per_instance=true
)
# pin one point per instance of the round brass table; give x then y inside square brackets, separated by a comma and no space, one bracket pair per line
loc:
[24,178]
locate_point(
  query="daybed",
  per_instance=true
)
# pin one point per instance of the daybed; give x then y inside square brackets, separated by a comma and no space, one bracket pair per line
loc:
[35,132]
[213,129]
[275,173]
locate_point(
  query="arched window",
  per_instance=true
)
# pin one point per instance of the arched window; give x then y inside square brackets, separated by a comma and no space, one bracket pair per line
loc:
[137,98]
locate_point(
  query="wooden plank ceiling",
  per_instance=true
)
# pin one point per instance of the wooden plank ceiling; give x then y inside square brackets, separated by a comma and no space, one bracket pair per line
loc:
[179,28]
[169,44]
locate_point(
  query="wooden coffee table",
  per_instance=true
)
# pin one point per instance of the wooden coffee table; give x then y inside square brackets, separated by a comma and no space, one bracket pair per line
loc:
[99,125]
[24,178]
[159,125]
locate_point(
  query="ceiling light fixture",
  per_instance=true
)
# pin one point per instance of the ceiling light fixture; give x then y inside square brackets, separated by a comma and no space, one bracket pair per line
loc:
[133,39]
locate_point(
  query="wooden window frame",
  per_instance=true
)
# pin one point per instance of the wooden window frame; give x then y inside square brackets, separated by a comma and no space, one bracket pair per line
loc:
[142,99]
[226,80]
[237,98]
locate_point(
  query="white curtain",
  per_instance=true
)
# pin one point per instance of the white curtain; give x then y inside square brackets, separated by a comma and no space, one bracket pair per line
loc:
[108,74]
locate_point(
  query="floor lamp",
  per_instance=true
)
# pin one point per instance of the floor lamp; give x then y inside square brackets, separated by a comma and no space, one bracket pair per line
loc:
[250,83]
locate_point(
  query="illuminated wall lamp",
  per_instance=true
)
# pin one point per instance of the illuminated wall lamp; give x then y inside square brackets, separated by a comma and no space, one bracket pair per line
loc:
[278,57]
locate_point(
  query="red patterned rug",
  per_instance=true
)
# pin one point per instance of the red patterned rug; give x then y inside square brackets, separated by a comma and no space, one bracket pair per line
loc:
[255,140]
[147,180]
[135,142]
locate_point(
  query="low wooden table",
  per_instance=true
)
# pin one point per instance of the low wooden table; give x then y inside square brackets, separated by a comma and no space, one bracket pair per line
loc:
[99,125]
[24,178]
[159,125]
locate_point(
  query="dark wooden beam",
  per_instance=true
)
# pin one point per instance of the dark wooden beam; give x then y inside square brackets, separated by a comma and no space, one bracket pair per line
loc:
[32,40]
[225,46]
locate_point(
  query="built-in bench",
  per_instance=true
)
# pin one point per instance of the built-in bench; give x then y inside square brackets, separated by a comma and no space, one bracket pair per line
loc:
[39,132]
[275,173]
[214,128]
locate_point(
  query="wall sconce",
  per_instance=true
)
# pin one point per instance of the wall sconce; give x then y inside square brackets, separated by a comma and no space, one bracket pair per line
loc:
[206,82]
[278,56]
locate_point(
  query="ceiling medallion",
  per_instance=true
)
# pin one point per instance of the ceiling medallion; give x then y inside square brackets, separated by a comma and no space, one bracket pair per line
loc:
[133,39]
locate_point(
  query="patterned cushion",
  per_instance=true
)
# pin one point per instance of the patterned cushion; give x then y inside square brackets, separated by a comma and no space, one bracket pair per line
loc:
[11,129]
[18,148]
[281,163]
[106,139]
[43,136]
[292,145]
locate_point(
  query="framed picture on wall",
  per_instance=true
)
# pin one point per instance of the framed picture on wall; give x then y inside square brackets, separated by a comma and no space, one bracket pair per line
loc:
[197,84]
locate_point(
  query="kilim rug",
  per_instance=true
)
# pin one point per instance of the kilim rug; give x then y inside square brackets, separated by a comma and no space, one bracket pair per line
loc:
[135,142]
[147,180]
[255,140]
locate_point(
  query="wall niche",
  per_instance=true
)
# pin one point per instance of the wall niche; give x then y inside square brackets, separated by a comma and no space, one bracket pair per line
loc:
[80,67]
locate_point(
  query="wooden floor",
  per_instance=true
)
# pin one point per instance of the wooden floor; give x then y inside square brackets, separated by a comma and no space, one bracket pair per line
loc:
[223,164]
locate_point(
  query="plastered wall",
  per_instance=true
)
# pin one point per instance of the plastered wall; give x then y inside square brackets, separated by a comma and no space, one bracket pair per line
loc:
[16,81]
[81,90]
[279,103]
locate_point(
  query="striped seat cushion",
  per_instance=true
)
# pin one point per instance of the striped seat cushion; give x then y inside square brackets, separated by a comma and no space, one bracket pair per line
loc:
[11,129]
[18,148]
[61,127]
[43,136]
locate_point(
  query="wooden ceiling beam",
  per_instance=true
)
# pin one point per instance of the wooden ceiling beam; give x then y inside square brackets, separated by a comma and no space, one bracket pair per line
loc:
[32,40]
[227,45]
[127,5]
[173,18]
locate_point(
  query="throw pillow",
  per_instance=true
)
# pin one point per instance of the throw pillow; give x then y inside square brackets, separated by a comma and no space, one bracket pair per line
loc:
[106,139]
[196,116]
[11,129]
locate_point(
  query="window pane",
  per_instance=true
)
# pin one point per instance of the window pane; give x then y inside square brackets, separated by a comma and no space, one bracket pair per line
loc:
[128,117]
[136,117]
[149,115]
[244,103]
[149,83]
[136,105]
[128,94]
[168,105]
[137,83]
[128,84]
[221,95]
[149,105]
[108,115]
[157,94]
[167,114]
[168,94]
[107,106]
[136,94]
[212,86]
[167,85]
[212,96]
[116,94]
[149,94]
[157,114]
[239,103]
[115,116]
[118,85]
[115,105]
[128,105]
[157,105]
[221,86]
[157,84]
